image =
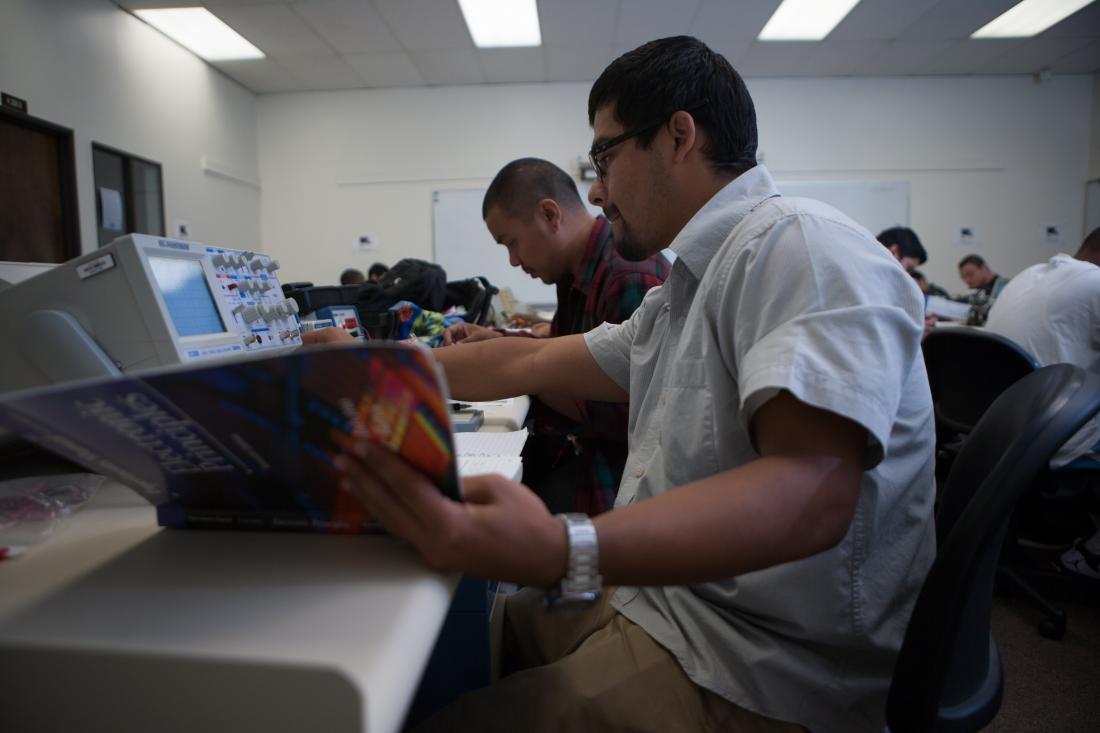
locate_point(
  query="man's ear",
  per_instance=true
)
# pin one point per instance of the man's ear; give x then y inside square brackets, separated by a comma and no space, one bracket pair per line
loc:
[684,134]
[549,213]
[895,250]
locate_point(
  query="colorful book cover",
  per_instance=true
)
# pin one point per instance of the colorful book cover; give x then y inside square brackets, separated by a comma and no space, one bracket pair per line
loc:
[251,443]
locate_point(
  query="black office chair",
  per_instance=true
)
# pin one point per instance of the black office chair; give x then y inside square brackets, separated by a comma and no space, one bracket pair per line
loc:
[967,370]
[948,676]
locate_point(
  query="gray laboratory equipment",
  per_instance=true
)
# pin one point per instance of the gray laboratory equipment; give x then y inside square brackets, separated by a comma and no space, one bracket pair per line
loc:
[142,302]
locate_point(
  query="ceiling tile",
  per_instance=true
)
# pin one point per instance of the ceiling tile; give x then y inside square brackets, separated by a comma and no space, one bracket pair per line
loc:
[577,23]
[424,25]
[645,20]
[449,67]
[899,58]
[275,29]
[322,72]
[1032,55]
[262,76]
[774,58]
[722,20]
[954,19]
[1083,61]
[965,57]
[879,20]
[350,26]
[583,63]
[386,69]
[838,58]
[502,65]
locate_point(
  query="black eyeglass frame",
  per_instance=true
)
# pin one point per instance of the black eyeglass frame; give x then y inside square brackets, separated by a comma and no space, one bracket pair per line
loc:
[606,145]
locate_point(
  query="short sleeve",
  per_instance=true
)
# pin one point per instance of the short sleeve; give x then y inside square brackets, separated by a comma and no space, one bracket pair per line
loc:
[610,344]
[821,311]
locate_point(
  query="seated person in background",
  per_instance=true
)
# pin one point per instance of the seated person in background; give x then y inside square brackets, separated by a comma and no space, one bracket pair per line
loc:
[985,285]
[574,456]
[1052,310]
[377,271]
[775,522]
[351,276]
[905,245]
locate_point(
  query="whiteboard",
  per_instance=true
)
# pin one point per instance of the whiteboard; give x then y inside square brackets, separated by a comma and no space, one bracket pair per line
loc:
[463,247]
[876,205]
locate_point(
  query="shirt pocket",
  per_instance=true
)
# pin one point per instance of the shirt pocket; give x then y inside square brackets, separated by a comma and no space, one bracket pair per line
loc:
[687,423]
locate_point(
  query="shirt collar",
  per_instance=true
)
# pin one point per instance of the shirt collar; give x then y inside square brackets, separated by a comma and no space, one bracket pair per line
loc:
[699,240]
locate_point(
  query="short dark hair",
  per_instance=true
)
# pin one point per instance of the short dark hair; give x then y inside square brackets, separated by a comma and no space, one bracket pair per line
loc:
[1091,244]
[971,260]
[681,73]
[907,241]
[377,269]
[351,276]
[520,185]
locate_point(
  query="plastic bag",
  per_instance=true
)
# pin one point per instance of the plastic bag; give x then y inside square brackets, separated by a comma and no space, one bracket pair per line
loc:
[34,508]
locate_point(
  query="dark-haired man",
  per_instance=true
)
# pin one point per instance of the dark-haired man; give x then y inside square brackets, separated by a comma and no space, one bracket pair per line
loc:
[352,276]
[905,245]
[575,455]
[985,287]
[376,272]
[773,525]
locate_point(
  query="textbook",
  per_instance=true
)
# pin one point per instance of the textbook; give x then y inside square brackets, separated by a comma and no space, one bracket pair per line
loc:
[250,444]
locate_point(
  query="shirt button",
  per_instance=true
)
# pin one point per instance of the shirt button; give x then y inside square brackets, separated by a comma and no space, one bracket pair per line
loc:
[639,472]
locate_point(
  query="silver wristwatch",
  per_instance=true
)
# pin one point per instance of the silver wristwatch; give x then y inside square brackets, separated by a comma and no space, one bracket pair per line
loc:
[582,583]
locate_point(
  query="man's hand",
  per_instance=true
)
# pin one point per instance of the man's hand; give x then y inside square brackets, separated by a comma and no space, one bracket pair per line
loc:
[502,530]
[327,336]
[468,332]
[929,324]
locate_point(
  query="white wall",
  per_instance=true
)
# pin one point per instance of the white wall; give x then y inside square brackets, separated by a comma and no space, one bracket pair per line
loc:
[1094,146]
[88,66]
[1001,154]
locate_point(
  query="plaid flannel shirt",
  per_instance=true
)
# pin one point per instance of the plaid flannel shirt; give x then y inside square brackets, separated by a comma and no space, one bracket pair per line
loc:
[603,288]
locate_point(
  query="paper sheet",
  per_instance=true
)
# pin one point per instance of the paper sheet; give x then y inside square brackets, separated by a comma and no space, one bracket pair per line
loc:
[490,444]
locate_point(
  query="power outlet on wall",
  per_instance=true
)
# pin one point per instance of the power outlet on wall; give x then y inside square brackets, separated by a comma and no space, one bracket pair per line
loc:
[365,243]
[181,229]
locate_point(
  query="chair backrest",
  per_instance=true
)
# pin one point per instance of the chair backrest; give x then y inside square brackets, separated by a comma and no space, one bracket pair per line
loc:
[967,370]
[475,294]
[948,674]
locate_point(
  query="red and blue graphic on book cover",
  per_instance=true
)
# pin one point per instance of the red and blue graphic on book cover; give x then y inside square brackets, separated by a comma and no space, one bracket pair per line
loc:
[249,444]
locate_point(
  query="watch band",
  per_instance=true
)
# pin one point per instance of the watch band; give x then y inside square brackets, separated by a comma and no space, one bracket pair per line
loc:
[582,582]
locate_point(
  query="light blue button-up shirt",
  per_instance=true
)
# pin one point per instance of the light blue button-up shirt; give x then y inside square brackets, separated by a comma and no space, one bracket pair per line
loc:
[769,294]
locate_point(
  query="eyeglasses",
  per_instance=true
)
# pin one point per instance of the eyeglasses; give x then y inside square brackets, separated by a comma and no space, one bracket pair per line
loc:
[595,155]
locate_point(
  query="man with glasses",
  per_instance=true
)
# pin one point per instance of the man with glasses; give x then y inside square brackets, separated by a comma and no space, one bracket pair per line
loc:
[773,525]
[574,456]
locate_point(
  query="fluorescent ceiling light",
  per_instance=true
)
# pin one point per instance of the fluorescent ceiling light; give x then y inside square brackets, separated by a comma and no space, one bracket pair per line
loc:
[200,31]
[1029,18]
[805,20]
[500,23]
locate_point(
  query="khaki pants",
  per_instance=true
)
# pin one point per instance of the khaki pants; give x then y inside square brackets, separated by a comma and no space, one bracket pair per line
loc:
[592,670]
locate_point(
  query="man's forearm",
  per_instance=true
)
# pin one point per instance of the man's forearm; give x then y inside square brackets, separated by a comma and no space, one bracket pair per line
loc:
[507,367]
[489,370]
[771,511]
